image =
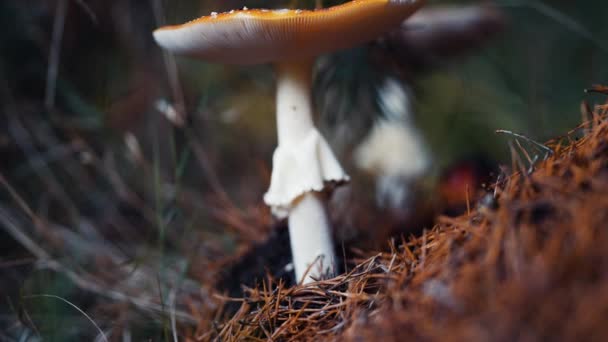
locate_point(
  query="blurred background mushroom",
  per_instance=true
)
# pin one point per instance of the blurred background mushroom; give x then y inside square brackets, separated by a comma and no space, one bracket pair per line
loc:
[368,104]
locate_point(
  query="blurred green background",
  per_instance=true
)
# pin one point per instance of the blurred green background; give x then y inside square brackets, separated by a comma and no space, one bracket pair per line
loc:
[138,173]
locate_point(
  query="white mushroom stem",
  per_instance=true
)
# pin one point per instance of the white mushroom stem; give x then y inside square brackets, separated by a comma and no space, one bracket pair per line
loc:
[294,107]
[310,239]
[309,228]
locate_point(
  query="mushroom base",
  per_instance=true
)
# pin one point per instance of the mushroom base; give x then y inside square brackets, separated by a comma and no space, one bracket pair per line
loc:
[311,241]
[299,169]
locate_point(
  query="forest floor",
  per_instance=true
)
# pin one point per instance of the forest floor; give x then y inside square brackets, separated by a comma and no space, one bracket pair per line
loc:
[528,262]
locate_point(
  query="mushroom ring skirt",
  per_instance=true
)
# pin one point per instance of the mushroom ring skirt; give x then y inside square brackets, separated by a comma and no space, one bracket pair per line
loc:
[300,168]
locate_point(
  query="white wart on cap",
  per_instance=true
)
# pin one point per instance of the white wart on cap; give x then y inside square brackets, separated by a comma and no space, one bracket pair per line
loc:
[262,36]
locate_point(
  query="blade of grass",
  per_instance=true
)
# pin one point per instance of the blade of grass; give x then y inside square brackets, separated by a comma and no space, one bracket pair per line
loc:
[101,333]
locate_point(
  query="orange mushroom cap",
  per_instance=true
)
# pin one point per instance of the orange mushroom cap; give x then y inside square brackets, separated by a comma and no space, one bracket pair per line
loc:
[262,36]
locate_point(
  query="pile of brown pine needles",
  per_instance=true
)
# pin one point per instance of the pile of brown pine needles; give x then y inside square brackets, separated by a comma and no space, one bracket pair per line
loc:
[530,263]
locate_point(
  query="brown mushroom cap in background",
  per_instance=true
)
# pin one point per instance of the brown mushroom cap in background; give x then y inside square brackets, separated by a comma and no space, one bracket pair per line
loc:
[262,36]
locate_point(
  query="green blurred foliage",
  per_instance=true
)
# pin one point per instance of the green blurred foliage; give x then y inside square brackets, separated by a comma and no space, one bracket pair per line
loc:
[530,79]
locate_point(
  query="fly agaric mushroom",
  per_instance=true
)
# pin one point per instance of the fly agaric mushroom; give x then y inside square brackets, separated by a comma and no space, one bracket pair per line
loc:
[303,163]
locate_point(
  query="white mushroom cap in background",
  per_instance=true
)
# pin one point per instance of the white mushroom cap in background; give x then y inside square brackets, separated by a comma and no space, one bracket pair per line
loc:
[394,150]
[262,36]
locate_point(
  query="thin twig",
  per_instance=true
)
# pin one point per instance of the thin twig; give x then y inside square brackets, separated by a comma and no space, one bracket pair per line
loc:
[543,147]
[55,54]
[87,9]
[172,297]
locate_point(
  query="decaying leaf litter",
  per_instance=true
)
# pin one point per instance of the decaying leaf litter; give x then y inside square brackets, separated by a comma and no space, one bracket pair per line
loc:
[527,263]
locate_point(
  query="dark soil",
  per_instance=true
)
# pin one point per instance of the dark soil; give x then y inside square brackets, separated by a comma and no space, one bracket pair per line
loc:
[269,257]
